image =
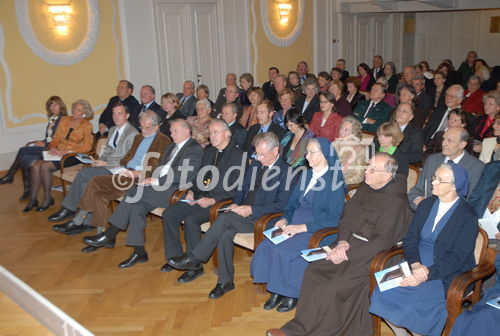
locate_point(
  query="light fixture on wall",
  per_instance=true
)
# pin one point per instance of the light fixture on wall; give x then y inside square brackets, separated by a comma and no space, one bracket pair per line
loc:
[284,9]
[60,14]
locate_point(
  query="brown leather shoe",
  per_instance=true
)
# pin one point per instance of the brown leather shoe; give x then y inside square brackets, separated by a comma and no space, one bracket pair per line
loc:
[275,332]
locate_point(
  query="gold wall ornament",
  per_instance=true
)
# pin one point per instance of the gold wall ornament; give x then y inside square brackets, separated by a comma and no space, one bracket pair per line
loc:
[60,15]
[288,14]
[284,10]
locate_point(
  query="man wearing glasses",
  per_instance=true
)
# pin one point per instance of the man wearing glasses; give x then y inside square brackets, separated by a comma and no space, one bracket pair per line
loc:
[454,142]
[264,191]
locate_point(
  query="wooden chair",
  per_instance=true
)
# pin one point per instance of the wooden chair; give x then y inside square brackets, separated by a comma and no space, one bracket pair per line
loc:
[351,190]
[457,293]
[413,174]
[67,175]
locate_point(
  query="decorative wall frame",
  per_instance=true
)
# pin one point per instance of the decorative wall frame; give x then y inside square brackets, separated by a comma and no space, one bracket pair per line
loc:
[294,34]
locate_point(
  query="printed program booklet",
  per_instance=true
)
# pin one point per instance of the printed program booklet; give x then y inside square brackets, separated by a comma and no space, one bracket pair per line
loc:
[276,235]
[48,157]
[84,158]
[391,277]
[315,253]
[490,226]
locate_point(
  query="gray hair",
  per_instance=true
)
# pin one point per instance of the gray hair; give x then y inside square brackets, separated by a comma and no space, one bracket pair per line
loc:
[88,112]
[390,165]
[269,138]
[310,81]
[459,89]
[205,102]
[183,123]
[150,114]
[493,95]
[420,78]
[233,107]
[475,77]
[220,122]
[464,135]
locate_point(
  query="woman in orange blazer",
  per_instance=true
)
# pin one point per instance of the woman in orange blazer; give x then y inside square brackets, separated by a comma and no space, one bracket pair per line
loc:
[74,134]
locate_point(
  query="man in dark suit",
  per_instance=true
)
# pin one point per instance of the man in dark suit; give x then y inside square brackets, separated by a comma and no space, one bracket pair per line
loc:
[267,193]
[438,121]
[280,83]
[303,71]
[221,156]
[230,80]
[412,145]
[232,96]
[377,70]
[268,87]
[265,112]
[187,99]
[147,103]
[454,142]
[123,95]
[374,112]
[340,64]
[152,193]
[422,100]
[238,133]
[118,145]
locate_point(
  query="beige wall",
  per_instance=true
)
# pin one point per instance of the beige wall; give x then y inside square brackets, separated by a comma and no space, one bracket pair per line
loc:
[33,80]
[285,58]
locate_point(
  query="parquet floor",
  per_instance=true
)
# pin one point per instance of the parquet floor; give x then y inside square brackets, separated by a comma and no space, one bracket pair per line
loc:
[111,301]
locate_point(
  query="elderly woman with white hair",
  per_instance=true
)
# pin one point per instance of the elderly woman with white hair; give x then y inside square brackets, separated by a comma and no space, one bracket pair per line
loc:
[199,123]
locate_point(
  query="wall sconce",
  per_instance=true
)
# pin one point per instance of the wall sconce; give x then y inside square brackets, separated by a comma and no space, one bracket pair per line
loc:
[61,16]
[284,9]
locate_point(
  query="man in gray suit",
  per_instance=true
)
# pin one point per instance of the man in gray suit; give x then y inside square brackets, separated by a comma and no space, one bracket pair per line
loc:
[454,142]
[118,144]
[153,193]
[187,99]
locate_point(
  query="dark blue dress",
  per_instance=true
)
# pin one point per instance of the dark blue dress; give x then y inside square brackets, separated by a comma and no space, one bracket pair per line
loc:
[281,266]
[420,309]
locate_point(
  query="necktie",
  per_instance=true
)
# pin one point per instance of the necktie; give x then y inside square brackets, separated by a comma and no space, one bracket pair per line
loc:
[143,108]
[261,130]
[182,100]
[372,105]
[115,138]
[171,154]
[250,199]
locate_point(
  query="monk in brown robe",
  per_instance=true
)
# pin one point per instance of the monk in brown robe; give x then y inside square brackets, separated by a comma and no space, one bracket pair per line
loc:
[334,298]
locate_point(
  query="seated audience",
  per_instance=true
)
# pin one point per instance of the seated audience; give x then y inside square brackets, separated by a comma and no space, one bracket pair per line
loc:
[230,80]
[145,154]
[308,103]
[238,133]
[267,193]
[466,69]
[364,77]
[280,83]
[336,87]
[323,80]
[119,143]
[392,77]
[377,71]
[73,135]
[438,90]
[336,74]
[124,91]
[422,100]
[424,68]
[389,136]
[316,202]
[293,144]
[187,99]
[413,141]
[232,96]
[326,122]
[490,147]
[249,117]
[374,112]
[484,123]
[170,104]
[151,193]
[285,98]
[454,142]
[352,153]
[32,152]
[147,103]
[352,95]
[223,154]
[473,100]
[438,246]
[202,92]
[340,64]
[389,99]
[303,71]
[294,85]
[456,118]
[452,77]
[334,298]
[268,87]
[199,123]
[438,120]
[246,83]
[482,70]
[265,112]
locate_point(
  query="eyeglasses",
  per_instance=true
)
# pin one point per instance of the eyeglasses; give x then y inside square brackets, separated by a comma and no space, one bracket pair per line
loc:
[436,179]
[216,132]
[260,156]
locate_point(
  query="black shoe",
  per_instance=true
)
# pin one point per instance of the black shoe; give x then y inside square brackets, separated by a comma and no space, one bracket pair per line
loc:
[287,304]
[7,179]
[61,215]
[70,228]
[220,290]
[46,205]
[31,204]
[273,301]
[166,268]
[100,240]
[184,263]
[189,276]
[133,259]
[89,249]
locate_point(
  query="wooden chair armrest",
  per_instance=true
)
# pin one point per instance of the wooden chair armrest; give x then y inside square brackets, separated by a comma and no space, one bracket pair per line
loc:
[378,263]
[260,227]
[177,196]
[351,187]
[214,209]
[319,235]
